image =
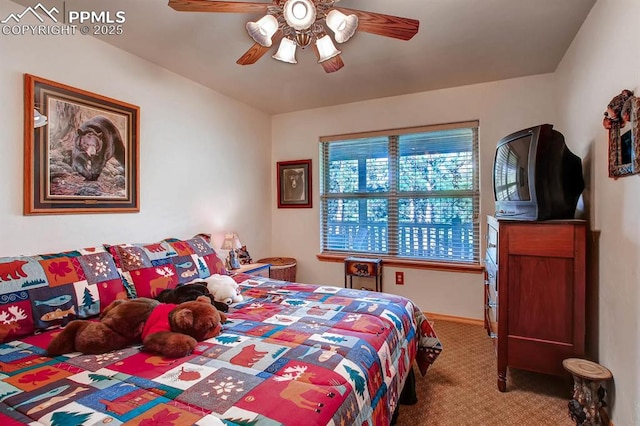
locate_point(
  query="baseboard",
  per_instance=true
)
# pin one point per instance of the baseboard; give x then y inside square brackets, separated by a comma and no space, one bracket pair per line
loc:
[461,320]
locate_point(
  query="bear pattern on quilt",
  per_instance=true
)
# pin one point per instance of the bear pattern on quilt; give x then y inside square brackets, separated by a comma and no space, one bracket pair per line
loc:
[49,290]
[290,353]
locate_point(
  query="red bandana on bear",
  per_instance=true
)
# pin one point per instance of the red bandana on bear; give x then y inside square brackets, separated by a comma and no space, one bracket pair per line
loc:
[158,320]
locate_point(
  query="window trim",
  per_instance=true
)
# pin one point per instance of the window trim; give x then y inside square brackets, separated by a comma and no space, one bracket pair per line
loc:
[470,267]
[401,131]
[452,266]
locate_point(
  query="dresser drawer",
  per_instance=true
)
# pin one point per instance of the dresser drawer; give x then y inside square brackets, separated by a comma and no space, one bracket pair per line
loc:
[257,269]
[491,304]
[492,240]
[492,274]
[491,311]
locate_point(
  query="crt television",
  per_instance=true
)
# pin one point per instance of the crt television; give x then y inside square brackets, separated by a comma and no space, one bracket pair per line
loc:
[535,176]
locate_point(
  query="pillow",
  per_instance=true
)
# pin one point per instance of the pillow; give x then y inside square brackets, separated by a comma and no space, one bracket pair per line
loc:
[147,269]
[49,290]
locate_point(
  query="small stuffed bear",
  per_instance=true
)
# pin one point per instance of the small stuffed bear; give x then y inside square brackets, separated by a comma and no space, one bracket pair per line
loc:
[224,289]
[167,329]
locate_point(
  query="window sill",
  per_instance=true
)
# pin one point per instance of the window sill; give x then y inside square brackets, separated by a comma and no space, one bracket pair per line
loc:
[407,263]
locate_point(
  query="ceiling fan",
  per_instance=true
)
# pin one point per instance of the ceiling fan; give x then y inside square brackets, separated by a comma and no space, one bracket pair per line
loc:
[303,23]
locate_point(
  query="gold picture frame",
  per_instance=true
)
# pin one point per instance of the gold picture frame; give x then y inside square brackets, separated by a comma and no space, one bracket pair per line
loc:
[86,158]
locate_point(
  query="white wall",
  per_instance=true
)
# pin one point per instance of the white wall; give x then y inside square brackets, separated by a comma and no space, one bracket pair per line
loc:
[502,107]
[203,170]
[602,61]
[202,166]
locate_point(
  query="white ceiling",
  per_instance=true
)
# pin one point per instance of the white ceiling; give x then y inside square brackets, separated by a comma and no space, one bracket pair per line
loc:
[460,42]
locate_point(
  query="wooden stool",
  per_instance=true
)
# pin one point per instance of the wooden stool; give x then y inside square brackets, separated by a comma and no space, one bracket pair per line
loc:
[586,407]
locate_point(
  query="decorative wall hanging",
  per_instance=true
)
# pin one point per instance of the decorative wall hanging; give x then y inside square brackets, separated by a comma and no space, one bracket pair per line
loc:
[294,184]
[86,158]
[621,119]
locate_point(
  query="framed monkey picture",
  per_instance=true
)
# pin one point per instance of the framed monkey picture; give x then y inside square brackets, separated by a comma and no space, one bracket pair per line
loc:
[294,184]
[84,158]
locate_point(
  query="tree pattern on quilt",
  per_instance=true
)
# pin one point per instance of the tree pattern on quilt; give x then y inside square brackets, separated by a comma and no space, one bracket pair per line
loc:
[289,353]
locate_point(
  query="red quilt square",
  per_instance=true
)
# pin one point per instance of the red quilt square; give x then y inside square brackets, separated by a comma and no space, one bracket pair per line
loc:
[149,282]
[147,365]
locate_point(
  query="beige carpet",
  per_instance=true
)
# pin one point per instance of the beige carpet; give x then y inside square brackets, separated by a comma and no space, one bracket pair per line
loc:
[460,388]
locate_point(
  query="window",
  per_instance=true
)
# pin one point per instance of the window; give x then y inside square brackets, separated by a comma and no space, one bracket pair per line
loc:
[409,193]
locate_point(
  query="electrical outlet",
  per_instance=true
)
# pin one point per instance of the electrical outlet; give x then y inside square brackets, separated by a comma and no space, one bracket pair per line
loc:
[400,278]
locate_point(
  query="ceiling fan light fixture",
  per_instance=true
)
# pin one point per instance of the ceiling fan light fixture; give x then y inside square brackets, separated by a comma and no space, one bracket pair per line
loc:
[296,24]
[326,48]
[343,26]
[303,39]
[263,30]
[286,51]
[39,120]
[299,14]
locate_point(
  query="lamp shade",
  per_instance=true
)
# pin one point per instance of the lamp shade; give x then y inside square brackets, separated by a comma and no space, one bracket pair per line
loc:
[231,241]
[263,30]
[299,14]
[343,26]
[39,120]
[286,51]
[326,48]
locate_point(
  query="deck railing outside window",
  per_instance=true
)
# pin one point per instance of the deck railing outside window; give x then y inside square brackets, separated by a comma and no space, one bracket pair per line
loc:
[412,193]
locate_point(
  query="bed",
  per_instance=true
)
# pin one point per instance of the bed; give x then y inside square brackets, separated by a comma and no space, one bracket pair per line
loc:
[290,354]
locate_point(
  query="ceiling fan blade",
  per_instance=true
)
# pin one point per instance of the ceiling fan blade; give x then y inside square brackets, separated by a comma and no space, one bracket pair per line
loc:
[257,51]
[384,25]
[333,64]
[330,65]
[218,6]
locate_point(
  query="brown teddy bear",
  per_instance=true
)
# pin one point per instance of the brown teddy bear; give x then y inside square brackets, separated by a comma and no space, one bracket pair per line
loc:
[164,328]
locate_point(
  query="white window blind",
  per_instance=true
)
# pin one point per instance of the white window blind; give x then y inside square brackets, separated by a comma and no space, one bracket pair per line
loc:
[408,193]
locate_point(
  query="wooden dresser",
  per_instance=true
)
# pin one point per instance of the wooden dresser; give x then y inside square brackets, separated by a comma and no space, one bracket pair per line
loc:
[535,293]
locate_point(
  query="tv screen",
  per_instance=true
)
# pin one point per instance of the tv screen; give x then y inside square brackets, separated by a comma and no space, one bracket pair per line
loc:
[536,176]
[511,174]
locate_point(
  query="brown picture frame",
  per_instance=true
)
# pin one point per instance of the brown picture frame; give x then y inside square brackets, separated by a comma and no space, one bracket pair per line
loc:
[294,184]
[86,158]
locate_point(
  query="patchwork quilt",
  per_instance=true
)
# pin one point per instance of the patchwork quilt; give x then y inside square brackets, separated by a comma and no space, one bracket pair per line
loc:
[290,354]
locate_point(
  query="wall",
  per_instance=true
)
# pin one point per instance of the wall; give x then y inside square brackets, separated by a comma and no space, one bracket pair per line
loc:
[602,61]
[502,107]
[202,165]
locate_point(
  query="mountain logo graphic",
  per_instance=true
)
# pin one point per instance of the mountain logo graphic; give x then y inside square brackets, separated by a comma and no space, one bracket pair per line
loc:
[38,11]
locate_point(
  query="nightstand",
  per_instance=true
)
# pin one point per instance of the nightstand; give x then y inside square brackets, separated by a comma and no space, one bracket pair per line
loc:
[257,269]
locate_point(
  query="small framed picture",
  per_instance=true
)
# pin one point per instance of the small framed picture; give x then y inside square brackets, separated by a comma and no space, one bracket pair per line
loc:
[294,184]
